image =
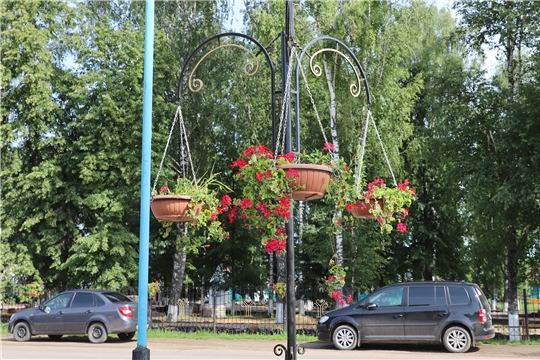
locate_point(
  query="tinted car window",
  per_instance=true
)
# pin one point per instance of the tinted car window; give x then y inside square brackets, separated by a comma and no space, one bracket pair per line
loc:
[421,296]
[440,297]
[388,297]
[98,301]
[82,299]
[482,298]
[458,295]
[59,302]
[116,297]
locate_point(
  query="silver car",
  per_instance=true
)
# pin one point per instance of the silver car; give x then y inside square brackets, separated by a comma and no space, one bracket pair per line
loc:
[93,312]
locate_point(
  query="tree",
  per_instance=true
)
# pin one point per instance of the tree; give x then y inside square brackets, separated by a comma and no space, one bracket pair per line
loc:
[502,167]
[39,204]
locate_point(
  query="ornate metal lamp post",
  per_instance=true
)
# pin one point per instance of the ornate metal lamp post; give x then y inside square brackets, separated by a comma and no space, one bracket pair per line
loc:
[194,84]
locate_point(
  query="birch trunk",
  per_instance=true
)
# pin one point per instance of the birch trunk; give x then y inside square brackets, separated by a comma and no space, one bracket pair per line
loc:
[338,214]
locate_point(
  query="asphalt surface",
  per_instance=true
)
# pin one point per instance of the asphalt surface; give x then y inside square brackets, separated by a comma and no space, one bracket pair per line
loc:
[75,348]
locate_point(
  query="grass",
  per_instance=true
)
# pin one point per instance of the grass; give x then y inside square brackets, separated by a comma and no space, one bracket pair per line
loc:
[508,342]
[203,335]
[169,334]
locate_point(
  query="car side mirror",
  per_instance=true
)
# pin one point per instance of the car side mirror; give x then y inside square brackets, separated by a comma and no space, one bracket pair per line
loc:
[371,306]
[44,308]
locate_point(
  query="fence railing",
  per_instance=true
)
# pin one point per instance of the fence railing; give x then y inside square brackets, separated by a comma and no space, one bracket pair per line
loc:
[527,326]
[260,311]
[253,311]
[234,311]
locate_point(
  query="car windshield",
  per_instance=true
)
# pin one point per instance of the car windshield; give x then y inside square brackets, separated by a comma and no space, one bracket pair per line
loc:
[116,297]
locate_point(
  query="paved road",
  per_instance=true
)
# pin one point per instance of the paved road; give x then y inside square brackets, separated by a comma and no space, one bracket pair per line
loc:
[75,348]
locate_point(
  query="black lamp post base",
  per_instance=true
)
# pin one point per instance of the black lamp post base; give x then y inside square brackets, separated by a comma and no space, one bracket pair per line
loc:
[141,353]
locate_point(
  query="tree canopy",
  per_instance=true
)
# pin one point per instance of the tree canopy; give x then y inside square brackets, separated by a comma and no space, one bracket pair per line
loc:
[71,91]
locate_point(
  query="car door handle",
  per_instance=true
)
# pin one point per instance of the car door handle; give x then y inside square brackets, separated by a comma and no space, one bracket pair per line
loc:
[443,313]
[398,316]
[88,312]
[60,313]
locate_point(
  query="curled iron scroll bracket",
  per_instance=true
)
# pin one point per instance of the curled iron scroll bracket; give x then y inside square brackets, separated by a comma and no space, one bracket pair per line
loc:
[354,89]
[250,69]
[347,54]
[280,350]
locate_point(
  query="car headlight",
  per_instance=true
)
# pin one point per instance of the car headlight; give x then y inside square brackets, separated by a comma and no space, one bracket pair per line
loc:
[323,319]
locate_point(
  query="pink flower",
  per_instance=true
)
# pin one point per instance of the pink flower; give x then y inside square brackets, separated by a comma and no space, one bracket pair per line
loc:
[246,204]
[328,146]
[401,227]
[249,151]
[277,245]
[239,164]
[232,214]
[259,176]
[288,156]
[292,173]
[164,189]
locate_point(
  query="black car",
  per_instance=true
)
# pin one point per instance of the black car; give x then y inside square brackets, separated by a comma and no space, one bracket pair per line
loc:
[93,312]
[455,314]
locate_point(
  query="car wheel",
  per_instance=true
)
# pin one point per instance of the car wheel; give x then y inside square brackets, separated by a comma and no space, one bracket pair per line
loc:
[55,337]
[21,332]
[97,333]
[126,336]
[457,340]
[345,338]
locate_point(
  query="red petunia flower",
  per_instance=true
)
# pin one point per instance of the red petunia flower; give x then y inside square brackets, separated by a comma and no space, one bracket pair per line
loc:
[328,146]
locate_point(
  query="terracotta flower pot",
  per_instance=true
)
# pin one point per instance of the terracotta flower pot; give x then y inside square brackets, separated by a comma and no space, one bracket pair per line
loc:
[361,210]
[173,207]
[312,180]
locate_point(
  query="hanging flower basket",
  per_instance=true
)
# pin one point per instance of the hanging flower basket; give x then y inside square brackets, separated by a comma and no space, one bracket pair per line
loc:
[361,210]
[174,208]
[311,181]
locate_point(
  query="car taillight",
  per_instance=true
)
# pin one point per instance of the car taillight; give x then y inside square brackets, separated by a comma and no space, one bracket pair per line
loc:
[482,316]
[125,311]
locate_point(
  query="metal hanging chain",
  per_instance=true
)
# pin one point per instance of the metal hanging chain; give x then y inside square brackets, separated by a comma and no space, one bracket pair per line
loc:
[186,142]
[282,123]
[362,149]
[183,137]
[311,98]
[384,151]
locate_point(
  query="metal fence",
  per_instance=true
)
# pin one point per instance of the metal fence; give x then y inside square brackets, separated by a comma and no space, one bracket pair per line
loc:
[235,311]
[259,311]
[254,311]
[524,327]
